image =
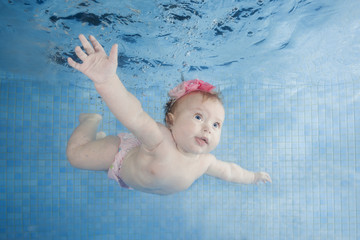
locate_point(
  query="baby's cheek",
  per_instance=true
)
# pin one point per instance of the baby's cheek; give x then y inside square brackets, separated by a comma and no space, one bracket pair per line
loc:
[189,127]
[217,139]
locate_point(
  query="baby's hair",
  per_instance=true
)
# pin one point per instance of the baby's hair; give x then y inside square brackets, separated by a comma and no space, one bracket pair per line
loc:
[171,105]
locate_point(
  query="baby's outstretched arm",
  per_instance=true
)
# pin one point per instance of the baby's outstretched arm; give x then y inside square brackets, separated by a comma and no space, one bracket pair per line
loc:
[101,69]
[232,172]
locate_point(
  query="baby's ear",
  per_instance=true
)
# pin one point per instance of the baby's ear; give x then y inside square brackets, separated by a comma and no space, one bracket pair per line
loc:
[169,119]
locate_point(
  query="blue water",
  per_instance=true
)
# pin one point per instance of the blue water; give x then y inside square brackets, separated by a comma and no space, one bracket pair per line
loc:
[289,72]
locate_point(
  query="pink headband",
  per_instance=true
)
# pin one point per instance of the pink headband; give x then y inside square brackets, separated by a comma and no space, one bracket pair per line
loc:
[190,86]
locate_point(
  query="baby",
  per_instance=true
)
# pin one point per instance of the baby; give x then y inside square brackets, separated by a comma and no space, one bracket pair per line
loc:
[154,158]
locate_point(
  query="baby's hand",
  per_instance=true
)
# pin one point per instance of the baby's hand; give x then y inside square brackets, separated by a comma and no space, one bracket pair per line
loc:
[96,64]
[262,177]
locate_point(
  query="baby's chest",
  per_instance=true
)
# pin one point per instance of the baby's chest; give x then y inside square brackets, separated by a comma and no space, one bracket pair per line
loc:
[176,170]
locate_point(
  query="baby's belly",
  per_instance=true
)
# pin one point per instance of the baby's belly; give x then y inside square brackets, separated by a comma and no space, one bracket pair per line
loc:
[144,175]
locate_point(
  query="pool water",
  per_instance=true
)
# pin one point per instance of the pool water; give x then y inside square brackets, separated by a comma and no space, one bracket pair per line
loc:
[289,72]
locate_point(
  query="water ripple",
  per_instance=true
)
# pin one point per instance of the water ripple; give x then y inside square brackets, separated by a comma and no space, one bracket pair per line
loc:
[205,38]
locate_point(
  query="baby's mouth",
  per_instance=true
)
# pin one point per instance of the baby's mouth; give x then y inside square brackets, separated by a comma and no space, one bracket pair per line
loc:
[202,140]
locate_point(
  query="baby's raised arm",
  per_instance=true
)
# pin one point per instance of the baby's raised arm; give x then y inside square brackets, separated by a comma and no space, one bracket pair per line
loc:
[232,172]
[101,69]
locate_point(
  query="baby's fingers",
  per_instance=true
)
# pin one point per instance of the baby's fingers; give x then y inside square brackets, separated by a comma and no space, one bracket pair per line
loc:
[80,53]
[114,54]
[74,64]
[97,46]
[87,46]
[262,177]
[266,177]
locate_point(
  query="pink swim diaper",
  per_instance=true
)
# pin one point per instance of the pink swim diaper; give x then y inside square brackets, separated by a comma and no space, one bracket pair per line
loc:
[127,142]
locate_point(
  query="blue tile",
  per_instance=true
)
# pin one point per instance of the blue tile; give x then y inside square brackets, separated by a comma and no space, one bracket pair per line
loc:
[308,142]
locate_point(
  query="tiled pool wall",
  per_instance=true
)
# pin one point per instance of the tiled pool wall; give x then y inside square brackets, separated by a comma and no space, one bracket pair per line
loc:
[306,136]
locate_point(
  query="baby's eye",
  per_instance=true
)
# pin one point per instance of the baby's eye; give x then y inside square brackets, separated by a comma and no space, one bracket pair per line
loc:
[198,117]
[216,125]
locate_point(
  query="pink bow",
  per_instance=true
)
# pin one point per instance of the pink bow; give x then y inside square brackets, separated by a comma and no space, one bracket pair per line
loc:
[190,86]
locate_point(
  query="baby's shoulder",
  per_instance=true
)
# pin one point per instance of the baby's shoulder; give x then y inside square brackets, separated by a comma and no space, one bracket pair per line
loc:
[167,141]
[164,130]
[207,159]
[161,126]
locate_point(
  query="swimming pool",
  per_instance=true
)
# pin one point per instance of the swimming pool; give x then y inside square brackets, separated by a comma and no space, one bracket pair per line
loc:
[289,75]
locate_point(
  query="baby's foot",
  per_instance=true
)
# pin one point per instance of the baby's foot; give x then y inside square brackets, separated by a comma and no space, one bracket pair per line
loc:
[90,116]
[100,135]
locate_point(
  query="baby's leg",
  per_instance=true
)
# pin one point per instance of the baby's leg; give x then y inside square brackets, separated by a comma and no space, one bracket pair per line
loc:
[88,150]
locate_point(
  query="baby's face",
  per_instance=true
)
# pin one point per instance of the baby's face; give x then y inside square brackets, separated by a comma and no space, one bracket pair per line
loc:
[197,124]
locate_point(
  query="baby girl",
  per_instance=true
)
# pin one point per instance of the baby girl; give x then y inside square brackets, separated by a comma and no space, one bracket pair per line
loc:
[153,158]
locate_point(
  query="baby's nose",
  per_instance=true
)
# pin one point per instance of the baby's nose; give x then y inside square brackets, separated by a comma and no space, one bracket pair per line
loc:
[206,128]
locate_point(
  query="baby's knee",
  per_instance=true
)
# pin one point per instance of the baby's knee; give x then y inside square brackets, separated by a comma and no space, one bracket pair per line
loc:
[72,156]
